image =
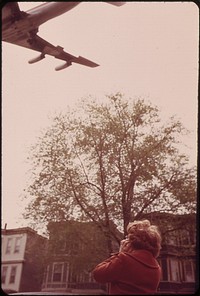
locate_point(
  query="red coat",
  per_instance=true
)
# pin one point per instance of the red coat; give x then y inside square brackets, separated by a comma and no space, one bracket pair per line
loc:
[132,273]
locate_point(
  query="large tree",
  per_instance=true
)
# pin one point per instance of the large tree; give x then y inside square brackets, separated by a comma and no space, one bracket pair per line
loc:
[110,161]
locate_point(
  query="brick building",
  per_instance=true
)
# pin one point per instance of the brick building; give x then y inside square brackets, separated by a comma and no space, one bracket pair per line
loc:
[178,255]
[74,249]
[77,247]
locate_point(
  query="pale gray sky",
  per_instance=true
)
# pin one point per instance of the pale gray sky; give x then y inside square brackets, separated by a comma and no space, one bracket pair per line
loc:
[146,49]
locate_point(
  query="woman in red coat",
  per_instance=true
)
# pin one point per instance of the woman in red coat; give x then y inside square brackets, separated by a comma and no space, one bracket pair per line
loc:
[134,269]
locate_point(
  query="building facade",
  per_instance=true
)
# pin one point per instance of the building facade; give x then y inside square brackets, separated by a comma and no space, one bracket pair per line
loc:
[65,261]
[81,246]
[21,265]
[178,255]
[74,248]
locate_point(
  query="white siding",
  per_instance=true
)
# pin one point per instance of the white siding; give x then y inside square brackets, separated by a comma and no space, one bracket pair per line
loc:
[13,255]
[15,285]
[13,258]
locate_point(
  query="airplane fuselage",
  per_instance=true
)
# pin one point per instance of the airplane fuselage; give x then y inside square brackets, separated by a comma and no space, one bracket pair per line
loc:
[21,28]
[34,17]
[44,12]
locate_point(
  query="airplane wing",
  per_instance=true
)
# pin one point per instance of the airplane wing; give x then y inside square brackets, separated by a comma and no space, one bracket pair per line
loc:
[38,44]
[30,39]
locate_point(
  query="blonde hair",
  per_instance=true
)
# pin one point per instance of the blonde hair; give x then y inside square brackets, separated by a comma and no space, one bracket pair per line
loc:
[143,235]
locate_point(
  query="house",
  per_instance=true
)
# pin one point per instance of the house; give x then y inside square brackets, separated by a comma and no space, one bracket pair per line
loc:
[64,262]
[178,255]
[21,259]
[74,249]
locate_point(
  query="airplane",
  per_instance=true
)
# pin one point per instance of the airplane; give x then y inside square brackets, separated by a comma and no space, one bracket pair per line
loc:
[21,28]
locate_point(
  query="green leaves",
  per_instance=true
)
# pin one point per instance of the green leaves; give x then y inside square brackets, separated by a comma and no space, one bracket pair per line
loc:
[109,160]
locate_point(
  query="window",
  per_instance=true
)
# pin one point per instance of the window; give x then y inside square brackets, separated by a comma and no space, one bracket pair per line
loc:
[9,245]
[185,237]
[17,244]
[188,271]
[13,274]
[60,245]
[4,273]
[57,272]
[72,276]
[174,270]
[192,235]
[72,246]
[172,238]
[164,269]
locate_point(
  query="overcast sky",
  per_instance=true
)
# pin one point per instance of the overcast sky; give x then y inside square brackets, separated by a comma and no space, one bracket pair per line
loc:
[145,49]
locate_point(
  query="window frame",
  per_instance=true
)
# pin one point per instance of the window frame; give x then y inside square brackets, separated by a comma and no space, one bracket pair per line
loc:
[4,273]
[191,264]
[9,245]
[17,244]
[173,262]
[13,276]
[54,273]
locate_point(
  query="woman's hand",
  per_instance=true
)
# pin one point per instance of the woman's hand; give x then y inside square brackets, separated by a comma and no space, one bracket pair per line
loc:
[125,246]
